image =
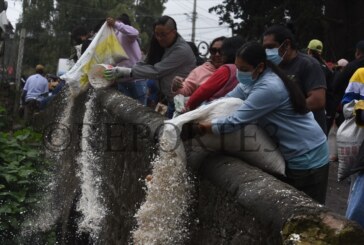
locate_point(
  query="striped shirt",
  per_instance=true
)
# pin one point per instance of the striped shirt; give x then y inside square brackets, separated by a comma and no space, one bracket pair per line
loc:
[355,89]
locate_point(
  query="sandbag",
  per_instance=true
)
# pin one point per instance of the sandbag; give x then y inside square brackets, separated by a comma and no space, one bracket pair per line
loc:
[349,137]
[251,144]
[104,49]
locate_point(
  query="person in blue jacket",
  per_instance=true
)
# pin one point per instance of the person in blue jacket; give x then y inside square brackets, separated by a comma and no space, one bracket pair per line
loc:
[276,103]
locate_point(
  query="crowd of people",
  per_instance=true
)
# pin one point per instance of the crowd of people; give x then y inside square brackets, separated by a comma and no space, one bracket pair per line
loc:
[297,92]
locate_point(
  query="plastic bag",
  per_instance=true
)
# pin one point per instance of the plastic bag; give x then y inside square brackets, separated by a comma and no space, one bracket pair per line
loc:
[251,144]
[349,137]
[355,210]
[179,104]
[104,49]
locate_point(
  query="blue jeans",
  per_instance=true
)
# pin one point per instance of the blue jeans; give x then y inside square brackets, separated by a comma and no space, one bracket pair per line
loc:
[134,89]
[170,110]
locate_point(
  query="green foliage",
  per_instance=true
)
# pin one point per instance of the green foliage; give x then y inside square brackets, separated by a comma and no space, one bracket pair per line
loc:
[22,170]
[334,22]
[2,117]
[147,11]
[255,15]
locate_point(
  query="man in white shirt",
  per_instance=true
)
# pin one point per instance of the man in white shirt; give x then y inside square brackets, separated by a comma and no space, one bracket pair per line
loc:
[34,87]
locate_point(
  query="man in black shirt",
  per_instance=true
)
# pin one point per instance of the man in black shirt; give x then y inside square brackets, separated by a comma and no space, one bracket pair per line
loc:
[341,81]
[282,49]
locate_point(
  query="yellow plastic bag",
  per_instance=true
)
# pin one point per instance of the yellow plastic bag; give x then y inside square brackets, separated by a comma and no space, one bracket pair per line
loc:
[104,49]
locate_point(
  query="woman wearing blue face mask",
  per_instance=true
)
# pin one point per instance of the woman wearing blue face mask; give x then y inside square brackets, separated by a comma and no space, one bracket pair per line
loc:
[275,102]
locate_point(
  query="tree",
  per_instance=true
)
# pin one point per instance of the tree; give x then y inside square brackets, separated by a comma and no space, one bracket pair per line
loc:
[310,19]
[147,11]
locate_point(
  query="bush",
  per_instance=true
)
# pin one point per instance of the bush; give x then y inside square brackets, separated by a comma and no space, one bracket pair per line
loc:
[22,172]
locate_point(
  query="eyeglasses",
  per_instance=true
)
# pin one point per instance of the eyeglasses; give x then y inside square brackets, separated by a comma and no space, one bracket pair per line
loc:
[163,34]
[214,51]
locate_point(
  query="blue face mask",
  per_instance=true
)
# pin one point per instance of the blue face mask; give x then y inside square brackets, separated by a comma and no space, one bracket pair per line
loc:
[245,77]
[273,55]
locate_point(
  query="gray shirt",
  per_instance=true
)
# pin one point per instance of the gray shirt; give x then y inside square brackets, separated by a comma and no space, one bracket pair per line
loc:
[178,60]
[307,71]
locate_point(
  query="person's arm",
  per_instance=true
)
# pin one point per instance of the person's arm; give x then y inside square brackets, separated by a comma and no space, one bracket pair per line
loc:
[197,76]
[316,99]
[46,87]
[209,88]
[126,30]
[188,88]
[24,92]
[23,95]
[261,100]
[315,86]
[174,60]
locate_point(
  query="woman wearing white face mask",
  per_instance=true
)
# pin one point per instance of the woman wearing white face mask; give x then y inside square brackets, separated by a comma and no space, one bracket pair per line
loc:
[276,103]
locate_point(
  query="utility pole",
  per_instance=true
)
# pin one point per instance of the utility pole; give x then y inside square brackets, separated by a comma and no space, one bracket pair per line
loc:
[19,70]
[194,17]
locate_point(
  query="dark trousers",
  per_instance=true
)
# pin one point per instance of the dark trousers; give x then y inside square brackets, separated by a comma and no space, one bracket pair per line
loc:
[30,107]
[313,182]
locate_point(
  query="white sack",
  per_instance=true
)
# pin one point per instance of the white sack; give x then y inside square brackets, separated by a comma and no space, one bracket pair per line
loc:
[251,144]
[349,137]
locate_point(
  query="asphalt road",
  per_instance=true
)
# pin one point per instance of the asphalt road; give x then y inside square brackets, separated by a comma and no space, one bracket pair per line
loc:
[337,192]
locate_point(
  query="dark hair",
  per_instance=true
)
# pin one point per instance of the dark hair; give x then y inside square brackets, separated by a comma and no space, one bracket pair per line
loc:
[281,33]
[155,51]
[166,20]
[253,53]
[77,32]
[229,48]
[360,46]
[124,18]
[194,48]
[222,38]
[317,55]
[98,25]
[199,60]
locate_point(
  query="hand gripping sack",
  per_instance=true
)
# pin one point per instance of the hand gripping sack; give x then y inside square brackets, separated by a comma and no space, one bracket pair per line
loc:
[251,143]
[349,137]
[104,49]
